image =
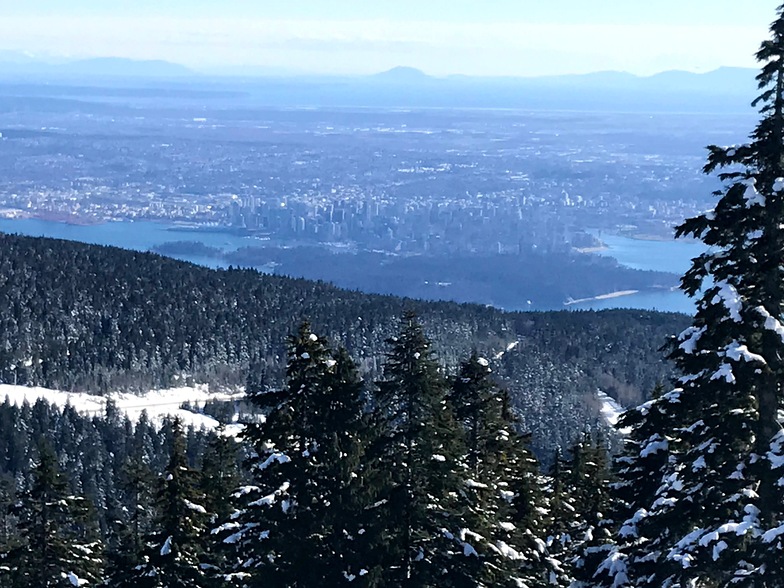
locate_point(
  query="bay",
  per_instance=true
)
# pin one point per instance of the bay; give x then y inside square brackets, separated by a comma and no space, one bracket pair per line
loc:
[669,256]
[672,256]
[136,235]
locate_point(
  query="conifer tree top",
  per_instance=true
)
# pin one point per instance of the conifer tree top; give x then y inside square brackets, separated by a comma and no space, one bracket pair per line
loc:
[711,520]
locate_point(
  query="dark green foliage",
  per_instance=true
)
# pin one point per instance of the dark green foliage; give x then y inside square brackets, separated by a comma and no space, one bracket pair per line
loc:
[579,532]
[424,481]
[219,475]
[415,463]
[503,488]
[506,280]
[296,521]
[174,551]
[638,474]
[589,489]
[8,536]
[132,523]
[218,479]
[59,543]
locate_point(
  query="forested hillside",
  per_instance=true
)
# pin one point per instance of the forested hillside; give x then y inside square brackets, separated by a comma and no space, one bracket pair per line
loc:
[88,318]
[418,479]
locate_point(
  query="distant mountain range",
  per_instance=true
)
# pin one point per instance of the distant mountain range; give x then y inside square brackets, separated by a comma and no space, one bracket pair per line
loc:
[724,89]
[114,67]
[734,78]
[725,79]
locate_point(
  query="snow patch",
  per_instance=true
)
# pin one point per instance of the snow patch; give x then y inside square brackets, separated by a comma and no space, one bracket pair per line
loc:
[75,580]
[773,534]
[166,549]
[771,323]
[728,295]
[724,372]
[157,403]
[195,507]
[737,352]
[689,338]
[474,484]
[751,194]
[509,348]
[610,410]
[654,445]
[776,453]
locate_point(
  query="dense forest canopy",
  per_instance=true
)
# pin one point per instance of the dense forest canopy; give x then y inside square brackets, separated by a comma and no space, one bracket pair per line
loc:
[99,319]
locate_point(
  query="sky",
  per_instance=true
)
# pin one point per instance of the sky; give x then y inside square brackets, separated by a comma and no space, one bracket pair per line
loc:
[441,37]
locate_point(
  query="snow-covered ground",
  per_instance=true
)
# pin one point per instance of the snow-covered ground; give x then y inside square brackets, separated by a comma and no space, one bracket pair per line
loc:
[611,411]
[509,348]
[157,403]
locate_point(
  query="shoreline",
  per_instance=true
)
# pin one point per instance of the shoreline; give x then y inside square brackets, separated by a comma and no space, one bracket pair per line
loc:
[608,296]
[595,249]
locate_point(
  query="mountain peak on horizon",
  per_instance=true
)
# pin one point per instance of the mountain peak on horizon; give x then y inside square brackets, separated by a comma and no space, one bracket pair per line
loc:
[17,64]
[402,73]
[123,66]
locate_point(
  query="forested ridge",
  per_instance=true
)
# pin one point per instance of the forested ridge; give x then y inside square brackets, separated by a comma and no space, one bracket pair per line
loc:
[403,426]
[98,319]
[421,478]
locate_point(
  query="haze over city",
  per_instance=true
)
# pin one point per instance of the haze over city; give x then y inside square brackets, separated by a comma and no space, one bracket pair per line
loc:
[502,38]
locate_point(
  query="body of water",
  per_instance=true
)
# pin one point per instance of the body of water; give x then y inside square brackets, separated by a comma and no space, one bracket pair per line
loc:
[661,256]
[140,236]
[669,256]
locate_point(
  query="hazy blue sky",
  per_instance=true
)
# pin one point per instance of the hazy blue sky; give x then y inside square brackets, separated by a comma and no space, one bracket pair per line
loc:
[481,37]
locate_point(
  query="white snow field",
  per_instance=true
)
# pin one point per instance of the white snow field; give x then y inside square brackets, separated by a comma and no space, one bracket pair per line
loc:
[157,403]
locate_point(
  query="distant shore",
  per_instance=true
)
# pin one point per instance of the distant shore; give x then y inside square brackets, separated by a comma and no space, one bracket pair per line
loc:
[595,249]
[609,296]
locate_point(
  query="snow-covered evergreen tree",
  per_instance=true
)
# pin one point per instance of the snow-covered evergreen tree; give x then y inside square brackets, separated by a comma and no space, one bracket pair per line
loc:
[589,490]
[298,523]
[129,528]
[174,550]
[503,489]
[638,475]
[418,536]
[8,537]
[716,517]
[60,545]
[562,520]
[218,479]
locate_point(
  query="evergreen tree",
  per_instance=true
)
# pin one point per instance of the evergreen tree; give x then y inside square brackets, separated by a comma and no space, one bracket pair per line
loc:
[589,475]
[174,549]
[8,537]
[219,475]
[219,478]
[503,487]
[297,523]
[60,544]
[716,519]
[562,520]
[638,476]
[419,537]
[132,525]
